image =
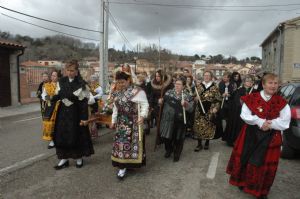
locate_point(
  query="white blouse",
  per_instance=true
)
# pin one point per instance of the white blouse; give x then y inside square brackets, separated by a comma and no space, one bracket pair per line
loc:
[281,123]
[138,98]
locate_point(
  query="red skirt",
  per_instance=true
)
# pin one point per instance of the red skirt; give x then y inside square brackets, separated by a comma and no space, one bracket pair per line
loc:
[255,180]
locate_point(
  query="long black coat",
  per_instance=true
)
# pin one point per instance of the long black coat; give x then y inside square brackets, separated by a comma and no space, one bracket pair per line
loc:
[234,122]
[71,139]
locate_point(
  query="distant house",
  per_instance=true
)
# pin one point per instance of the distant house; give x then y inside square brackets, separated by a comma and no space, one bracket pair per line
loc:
[52,63]
[143,65]
[181,65]
[217,69]
[9,72]
[88,61]
[281,51]
[30,78]
[198,67]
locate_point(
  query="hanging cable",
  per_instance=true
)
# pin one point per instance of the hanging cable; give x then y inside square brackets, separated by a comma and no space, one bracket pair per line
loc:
[47,20]
[113,20]
[49,28]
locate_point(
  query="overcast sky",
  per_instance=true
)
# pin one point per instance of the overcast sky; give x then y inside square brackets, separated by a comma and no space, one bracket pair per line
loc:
[219,28]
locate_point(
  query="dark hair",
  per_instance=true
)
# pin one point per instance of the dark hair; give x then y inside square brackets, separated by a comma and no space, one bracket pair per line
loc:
[239,81]
[73,63]
[182,79]
[58,72]
[122,75]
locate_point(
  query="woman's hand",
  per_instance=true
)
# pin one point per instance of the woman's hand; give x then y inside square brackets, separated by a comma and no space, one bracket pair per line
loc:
[184,103]
[83,123]
[160,101]
[214,110]
[140,121]
[266,125]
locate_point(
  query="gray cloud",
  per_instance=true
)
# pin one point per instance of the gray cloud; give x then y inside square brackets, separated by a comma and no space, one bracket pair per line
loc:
[184,31]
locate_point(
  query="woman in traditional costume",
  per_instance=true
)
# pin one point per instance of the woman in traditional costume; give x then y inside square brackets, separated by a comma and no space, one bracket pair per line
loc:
[254,160]
[45,78]
[226,88]
[176,103]
[49,90]
[207,124]
[190,88]
[236,80]
[234,122]
[71,135]
[130,109]
[159,86]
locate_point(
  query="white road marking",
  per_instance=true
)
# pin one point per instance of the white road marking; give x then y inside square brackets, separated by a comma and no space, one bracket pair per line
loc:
[22,163]
[27,119]
[211,173]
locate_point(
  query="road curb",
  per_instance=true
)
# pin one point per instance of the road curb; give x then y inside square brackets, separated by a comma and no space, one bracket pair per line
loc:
[18,115]
[8,170]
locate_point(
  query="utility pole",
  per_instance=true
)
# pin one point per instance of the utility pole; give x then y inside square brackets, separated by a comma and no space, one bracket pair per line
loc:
[106,17]
[103,44]
[159,48]
[101,50]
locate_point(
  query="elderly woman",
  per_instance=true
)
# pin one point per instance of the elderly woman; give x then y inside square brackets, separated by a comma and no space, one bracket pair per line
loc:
[130,109]
[172,127]
[234,122]
[190,88]
[207,124]
[254,160]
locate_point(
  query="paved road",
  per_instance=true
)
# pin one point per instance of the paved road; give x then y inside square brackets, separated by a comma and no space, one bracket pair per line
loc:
[20,139]
[196,175]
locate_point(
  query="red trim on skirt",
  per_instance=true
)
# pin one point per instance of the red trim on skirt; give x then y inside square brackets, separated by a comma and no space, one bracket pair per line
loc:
[255,180]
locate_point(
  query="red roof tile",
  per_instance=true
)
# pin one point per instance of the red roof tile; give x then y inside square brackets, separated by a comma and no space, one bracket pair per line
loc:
[31,63]
[10,44]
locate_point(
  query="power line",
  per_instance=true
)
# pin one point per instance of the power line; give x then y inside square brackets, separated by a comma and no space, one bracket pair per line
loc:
[47,20]
[49,28]
[113,20]
[119,30]
[213,7]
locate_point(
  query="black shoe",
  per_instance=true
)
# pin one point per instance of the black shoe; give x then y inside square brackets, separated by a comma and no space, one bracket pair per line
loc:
[79,165]
[241,188]
[64,165]
[262,197]
[168,154]
[198,148]
[50,147]
[176,159]
[206,146]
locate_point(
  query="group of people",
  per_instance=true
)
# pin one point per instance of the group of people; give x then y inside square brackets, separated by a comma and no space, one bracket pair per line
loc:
[180,106]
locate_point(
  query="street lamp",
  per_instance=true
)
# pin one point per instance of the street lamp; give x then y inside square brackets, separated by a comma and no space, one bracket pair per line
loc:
[135,58]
